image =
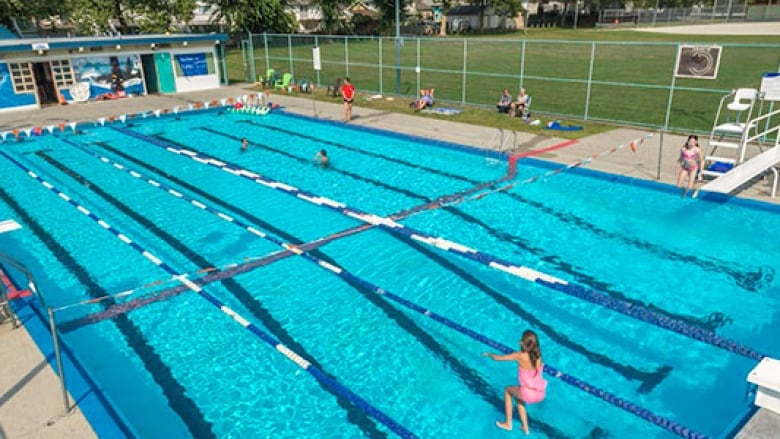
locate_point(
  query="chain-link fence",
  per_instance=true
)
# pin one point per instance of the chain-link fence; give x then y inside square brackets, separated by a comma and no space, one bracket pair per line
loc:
[630,83]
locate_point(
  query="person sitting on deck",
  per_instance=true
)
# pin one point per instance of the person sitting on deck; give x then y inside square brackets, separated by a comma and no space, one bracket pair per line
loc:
[505,102]
[425,100]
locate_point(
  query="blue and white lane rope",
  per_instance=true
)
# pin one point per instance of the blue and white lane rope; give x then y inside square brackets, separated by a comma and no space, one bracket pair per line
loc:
[525,273]
[334,385]
[154,284]
[344,274]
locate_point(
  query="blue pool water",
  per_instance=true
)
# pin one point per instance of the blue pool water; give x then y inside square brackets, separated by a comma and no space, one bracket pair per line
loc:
[178,367]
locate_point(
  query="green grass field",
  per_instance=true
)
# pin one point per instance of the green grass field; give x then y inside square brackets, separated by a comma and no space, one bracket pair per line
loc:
[629,84]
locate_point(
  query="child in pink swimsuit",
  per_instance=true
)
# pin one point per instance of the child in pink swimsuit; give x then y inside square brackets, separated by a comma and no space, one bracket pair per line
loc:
[690,161]
[533,386]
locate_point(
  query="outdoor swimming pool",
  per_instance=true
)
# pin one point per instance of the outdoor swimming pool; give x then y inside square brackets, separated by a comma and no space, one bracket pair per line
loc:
[170,364]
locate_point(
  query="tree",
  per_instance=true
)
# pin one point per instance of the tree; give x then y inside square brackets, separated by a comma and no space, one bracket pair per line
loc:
[28,9]
[331,14]
[386,10]
[92,16]
[504,8]
[254,16]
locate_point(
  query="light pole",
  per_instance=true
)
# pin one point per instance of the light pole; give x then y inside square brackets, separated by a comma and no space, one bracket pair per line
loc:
[397,49]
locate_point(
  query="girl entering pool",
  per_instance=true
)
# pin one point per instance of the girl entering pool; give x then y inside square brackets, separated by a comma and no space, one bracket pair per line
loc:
[533,386]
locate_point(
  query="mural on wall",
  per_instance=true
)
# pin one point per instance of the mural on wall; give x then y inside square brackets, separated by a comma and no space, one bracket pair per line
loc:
[110,77]
[8,97]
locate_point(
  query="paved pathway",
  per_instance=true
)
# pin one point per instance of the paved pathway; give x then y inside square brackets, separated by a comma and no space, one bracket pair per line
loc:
[742,28]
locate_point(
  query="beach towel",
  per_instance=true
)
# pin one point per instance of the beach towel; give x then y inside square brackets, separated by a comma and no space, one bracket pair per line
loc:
[444,111]
[555,125]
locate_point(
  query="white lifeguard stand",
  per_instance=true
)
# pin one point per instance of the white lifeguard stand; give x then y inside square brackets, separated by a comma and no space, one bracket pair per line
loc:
[731,170]
[727,139]
[766,376]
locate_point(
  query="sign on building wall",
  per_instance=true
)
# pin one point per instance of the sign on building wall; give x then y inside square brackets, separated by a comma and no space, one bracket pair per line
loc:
[192,64]
[698,62]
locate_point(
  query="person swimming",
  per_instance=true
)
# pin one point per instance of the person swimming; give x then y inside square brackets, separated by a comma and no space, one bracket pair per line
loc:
[321,158]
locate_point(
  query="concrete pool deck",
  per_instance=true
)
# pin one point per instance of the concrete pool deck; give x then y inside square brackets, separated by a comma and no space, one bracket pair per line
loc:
[31,404]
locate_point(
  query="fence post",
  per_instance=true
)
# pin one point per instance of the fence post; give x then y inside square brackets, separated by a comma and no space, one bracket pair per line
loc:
[57,356]
[346,56]
[418,68]
[317,44]
[289,53]
[522,64]
[465,55]
[660,154]
[252,72]
[671,94]
[590,79]
[267,57]
[381,69]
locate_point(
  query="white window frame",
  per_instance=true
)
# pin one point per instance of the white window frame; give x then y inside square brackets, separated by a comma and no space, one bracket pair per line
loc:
[22,77]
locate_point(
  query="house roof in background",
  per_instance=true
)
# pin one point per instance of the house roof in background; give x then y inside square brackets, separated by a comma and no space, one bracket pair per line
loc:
[464,10]
[54,43]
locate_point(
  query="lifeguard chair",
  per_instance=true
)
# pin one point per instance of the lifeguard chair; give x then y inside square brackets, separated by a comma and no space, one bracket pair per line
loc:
[726,147]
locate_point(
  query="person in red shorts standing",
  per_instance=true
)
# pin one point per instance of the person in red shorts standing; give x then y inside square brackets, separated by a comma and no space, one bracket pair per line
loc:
[348,93]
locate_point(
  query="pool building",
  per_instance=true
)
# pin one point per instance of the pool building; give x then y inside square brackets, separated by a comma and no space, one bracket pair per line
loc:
[42,71]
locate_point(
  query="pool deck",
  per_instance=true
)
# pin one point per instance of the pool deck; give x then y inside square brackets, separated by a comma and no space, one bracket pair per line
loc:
[31,404]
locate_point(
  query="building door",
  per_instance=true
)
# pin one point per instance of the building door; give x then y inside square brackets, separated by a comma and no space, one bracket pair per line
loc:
[150,74]
[44,83]
[162,61]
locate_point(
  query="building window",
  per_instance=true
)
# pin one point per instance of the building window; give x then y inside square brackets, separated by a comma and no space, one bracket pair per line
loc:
[22,77]
[63,74]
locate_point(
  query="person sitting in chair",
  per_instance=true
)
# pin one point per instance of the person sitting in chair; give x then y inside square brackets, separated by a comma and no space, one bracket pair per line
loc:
[518,107]
[505,102]
[335,89]
[425,100]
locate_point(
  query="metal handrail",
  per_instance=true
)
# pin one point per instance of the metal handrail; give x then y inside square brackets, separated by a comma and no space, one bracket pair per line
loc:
[5,258]
[498,134]
[52,325]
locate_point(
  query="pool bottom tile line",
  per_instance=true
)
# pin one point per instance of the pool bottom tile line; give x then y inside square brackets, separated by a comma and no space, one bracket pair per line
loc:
[750,280]
[648,379]
[255,330]
[179,402]
[632,310]
[339,271]
[467,374]
[254,307]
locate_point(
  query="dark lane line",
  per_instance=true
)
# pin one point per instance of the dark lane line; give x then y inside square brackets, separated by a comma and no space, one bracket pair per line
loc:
[751,280]
[175,393]
[469,376]
[621,369]
[234,270]
[574,271]
[255,307]
[303,160]
[365,152]
[648,380]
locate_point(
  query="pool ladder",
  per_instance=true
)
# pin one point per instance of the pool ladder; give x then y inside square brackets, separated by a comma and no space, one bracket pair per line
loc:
[498,145]
[6,312]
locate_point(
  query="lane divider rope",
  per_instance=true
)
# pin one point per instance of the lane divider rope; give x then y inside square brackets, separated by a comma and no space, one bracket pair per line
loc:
[632,310]
[154,283]
[270,340]
[528,274]
[345,274]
